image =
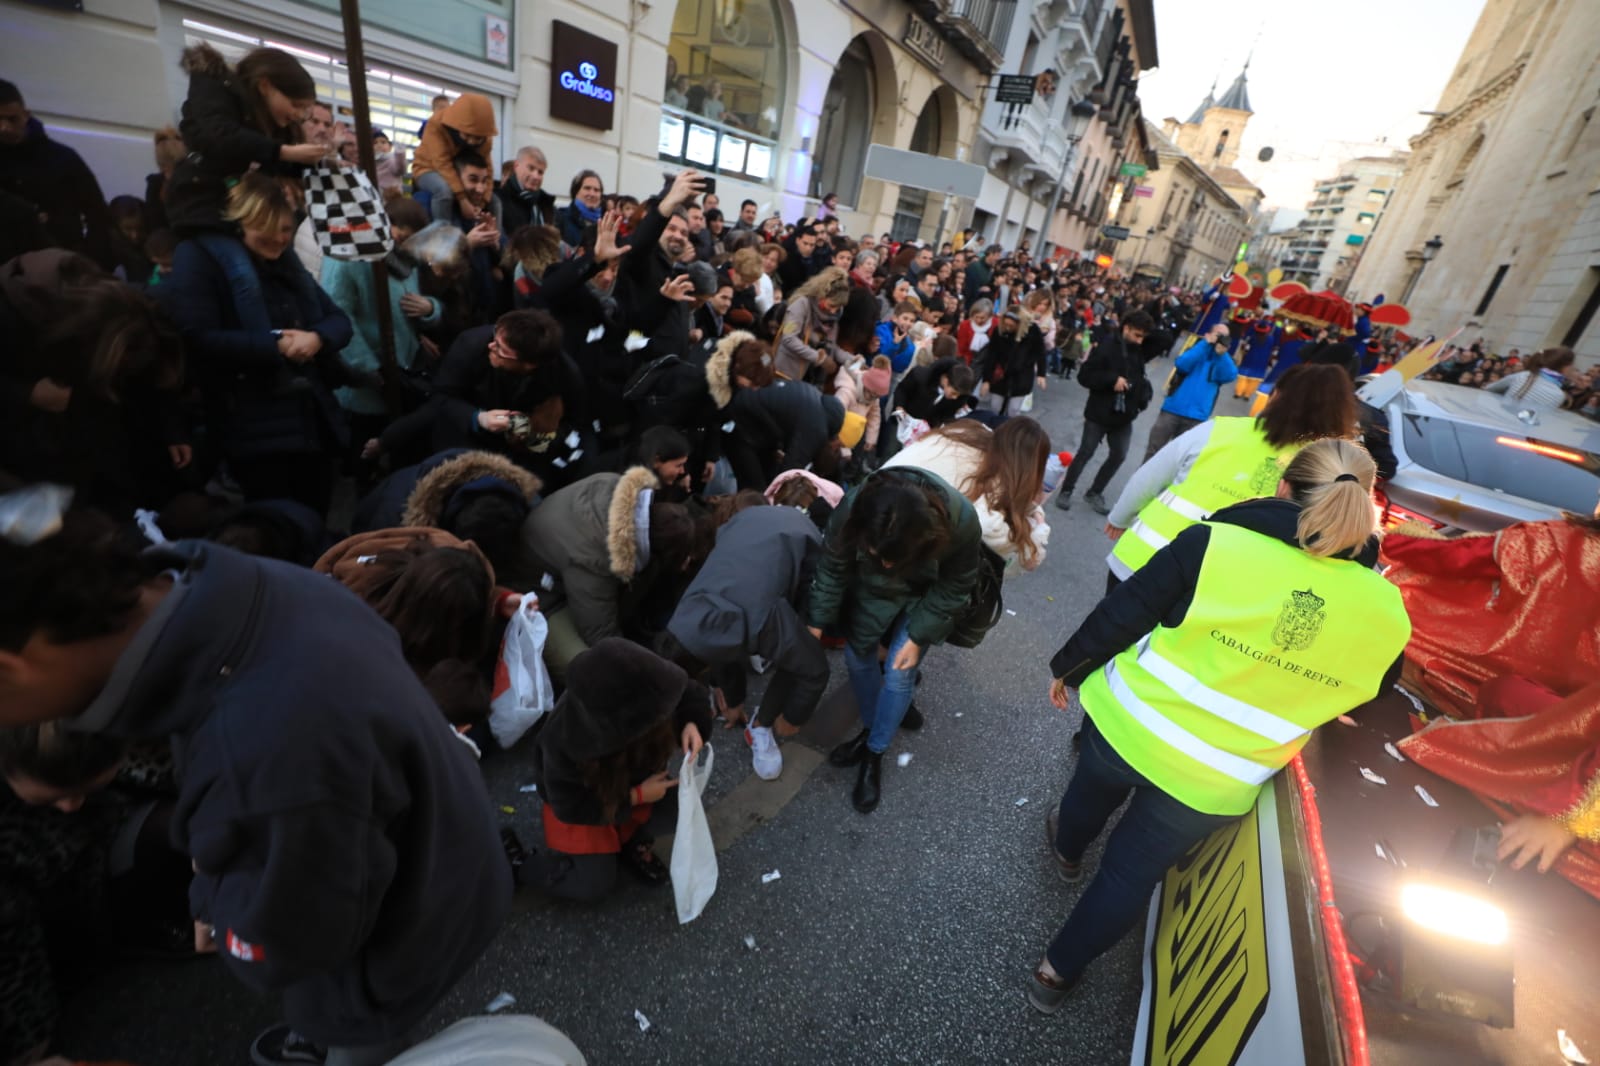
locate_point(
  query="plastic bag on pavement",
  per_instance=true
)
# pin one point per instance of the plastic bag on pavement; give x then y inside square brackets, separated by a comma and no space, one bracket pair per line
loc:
[908,429]
[522,690]
[694,855]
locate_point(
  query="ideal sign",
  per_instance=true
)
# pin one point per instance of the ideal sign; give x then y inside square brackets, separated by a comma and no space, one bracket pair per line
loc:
[583,76]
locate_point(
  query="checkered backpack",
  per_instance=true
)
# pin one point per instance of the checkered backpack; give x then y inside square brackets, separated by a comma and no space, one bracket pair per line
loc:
[347,214]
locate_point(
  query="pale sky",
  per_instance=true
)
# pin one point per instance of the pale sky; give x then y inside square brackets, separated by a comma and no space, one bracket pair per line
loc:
[1328,81]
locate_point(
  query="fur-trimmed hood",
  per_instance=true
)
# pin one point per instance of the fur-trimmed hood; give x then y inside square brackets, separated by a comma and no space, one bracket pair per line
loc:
[622,524]
[426,504]
[719,368]
[204,59]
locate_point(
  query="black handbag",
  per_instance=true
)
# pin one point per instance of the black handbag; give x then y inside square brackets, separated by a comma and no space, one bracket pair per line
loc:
[986,606]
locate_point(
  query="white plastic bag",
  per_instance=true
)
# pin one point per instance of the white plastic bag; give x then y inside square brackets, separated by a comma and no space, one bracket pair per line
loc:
[694,856]
[908,429]
[522,690]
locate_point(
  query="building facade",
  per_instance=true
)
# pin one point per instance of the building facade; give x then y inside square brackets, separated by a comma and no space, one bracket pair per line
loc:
[780,109]
[1495,223]
[1341,217]
[1051,163]
[1188,217]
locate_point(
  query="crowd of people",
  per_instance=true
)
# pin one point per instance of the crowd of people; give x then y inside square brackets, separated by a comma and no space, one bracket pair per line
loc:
[688,440]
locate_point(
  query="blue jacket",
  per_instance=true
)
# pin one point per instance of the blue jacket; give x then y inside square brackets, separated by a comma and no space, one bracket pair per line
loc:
[900,355]
[345,847]
[1208,368]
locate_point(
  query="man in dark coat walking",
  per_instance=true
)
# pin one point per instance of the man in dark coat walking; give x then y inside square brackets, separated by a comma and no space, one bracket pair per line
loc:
[1118,391]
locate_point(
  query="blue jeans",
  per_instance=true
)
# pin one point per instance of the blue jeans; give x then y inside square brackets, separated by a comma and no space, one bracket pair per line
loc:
[1155,832]
[441,201]
[243,282]
[882,697]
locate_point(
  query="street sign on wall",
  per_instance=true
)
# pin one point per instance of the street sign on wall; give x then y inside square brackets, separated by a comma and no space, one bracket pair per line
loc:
[1134,170]
[919,170]
[1114,233]
[1015,89]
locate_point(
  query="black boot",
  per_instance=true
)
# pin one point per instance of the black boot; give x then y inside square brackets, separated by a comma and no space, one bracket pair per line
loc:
[913,719]
[851,751]
[869,782]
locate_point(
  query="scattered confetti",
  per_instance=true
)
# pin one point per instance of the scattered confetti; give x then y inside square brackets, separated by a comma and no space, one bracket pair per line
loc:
[1414,701]
[573,439]
[767,879]
[1052,599]
[904,759]
[1023,802]
[559,463]
[1011,612]
[366,560]
[1570,1049]
[1381,853]
[960,713]
[528,788]
[508,810]
[596,334]
[1394,752]
[1345,719]
[500,1003]
[750,942]
[1375,778]
[644,1023]
[1429,800]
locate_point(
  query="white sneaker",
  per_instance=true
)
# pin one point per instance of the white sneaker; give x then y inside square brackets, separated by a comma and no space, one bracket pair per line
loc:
[764,753]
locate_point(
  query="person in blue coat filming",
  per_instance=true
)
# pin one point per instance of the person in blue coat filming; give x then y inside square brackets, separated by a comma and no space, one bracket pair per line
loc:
[1197,377]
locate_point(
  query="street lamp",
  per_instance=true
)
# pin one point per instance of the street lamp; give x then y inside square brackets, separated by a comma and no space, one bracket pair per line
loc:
[1430,248]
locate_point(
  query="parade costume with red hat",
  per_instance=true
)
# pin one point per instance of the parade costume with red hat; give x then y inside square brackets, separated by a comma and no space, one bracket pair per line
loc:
[1257,356]
[1506,642]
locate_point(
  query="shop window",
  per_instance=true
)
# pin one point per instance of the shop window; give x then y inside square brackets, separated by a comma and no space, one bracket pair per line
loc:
[723,100]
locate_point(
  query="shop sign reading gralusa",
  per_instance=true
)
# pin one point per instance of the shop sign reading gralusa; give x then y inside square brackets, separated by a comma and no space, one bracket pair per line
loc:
[583,76]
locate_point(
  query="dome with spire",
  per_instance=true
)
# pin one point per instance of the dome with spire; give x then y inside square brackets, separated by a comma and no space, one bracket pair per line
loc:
[1205,105]
[1236,98]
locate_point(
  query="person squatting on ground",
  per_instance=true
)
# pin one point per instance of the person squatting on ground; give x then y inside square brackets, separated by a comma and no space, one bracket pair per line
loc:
[1197,688]
[899,563]
[599,765]
[748,600]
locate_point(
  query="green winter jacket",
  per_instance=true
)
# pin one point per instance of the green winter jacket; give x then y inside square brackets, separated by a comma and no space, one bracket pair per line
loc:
[862,599]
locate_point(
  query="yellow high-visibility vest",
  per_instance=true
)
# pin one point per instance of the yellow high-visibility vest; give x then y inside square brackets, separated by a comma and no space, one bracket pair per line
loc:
[1236,464]
[1209,711]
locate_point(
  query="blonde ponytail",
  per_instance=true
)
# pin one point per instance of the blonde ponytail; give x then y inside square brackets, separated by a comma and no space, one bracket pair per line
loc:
[1331,480]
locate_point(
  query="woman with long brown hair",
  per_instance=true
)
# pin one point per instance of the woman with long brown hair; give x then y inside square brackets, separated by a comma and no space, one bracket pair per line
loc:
[1225,461]
[1000,472]
[1541,382]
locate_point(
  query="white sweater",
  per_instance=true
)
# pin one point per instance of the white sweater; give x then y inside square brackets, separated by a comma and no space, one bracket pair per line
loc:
[955,463]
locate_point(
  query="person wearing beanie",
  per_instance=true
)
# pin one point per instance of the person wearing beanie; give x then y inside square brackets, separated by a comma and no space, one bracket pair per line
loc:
[861,387]
[599,762]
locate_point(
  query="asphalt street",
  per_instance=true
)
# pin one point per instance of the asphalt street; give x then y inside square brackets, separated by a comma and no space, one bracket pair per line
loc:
[906,935]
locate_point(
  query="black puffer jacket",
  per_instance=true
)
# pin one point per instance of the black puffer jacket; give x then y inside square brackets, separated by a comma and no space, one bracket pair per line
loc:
[223,143]
[787,417]
[62,189]
[1110,360]
[1013,359]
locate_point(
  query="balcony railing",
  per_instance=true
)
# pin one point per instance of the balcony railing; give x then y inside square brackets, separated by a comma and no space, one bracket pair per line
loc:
[979,28]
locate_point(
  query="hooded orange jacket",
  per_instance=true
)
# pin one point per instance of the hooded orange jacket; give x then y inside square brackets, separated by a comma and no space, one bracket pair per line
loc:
[470,113]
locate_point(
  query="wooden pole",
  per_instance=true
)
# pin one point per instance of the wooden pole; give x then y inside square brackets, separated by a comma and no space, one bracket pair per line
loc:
[356,70]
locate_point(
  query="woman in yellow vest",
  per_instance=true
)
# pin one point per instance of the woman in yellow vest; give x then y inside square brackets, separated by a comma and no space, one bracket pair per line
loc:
[1223,462]
[1199,686]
